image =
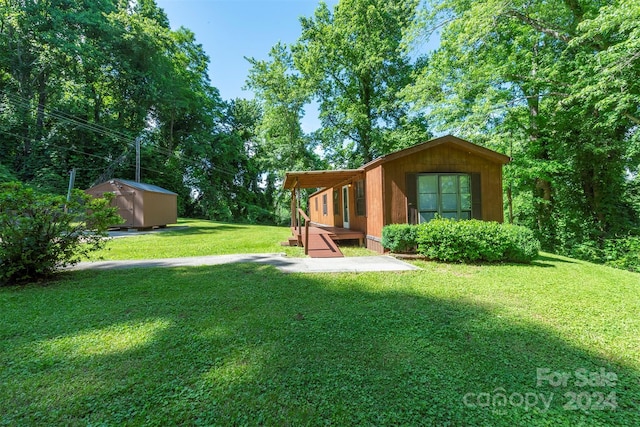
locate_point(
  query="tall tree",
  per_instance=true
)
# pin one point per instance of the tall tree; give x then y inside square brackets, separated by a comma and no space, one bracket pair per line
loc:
[283,95]
[223,171]
[282,144]
[508,75]
[81,81]
[353,62]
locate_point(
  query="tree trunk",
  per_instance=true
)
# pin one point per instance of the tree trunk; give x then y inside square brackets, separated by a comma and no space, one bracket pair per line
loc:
[543,190]
[510,203]
[42,101]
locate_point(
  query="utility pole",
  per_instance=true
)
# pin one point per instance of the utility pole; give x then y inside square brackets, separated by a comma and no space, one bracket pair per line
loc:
[72,180]
[138,159]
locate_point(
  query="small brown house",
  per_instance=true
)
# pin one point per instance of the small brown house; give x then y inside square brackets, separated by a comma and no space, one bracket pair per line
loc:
[447,176]
[140,205]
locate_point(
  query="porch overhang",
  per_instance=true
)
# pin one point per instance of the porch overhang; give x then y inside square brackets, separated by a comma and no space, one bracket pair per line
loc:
[320,179]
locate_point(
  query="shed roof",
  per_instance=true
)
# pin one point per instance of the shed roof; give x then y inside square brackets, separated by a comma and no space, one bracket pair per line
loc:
[332,178]
[144,187]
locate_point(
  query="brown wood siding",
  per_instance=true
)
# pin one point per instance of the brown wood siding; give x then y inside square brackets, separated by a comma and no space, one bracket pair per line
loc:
[318,216]
[374,245]
[123,200]
[159,209]
[440,159]
[356,222]
[139,208]
[337,218]
[374,197]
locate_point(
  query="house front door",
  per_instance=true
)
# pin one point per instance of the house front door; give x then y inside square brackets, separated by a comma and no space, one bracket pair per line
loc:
[345,206]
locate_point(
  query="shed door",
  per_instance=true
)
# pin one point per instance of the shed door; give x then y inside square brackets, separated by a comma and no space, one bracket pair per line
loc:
[124,202]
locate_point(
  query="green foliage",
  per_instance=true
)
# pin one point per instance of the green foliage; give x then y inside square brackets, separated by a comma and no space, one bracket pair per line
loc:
[80,83]
[353,63]
[555,86]
[400,238]
[476,241]
[281,145]
[5,174]
[41,233]
[623,253]
[228,177]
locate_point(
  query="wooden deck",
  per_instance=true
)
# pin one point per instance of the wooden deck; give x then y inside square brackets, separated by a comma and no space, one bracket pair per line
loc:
[322,240]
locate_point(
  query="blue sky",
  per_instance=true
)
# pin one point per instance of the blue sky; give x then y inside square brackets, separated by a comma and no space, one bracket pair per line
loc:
[230,30]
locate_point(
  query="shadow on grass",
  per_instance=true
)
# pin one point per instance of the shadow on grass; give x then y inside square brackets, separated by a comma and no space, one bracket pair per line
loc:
[554,258]
[245,344]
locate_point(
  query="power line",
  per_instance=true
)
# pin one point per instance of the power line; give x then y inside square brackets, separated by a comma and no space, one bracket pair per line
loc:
[94,127]
[106,159]
[105,131]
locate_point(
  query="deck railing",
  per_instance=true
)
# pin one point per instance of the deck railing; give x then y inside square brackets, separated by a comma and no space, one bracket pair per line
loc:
[307,221]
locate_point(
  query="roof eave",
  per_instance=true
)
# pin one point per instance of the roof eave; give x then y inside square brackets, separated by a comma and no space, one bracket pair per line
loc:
[460,143]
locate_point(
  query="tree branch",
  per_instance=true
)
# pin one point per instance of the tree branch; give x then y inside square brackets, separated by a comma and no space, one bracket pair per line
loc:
[634,119]
[539,25]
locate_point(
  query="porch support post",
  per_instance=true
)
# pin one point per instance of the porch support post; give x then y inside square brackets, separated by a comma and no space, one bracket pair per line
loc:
[299,220]
[293,208]
[299,217]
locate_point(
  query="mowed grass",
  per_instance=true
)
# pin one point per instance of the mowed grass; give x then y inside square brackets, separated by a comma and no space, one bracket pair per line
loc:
[247,345]
[192,237]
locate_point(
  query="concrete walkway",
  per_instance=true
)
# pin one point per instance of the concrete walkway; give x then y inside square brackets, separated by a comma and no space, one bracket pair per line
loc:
[280,261]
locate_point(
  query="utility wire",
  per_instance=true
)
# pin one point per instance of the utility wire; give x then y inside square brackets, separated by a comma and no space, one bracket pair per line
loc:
[68,118]
[79,152]
[105,131]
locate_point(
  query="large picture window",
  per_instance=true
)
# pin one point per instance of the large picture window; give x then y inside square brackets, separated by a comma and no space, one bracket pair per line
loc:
[448,195]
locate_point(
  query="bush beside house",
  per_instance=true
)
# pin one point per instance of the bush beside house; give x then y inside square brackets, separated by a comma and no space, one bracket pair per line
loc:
[464,241]
[400,238]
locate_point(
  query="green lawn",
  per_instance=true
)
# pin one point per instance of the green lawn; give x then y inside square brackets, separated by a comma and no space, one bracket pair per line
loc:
[199,238]
[248,345]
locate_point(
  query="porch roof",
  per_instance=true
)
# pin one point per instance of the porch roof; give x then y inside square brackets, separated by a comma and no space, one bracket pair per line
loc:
[320,179]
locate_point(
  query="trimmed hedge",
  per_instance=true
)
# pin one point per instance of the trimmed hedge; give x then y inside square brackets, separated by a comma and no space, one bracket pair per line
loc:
[400,238]
[463,241]
[476,241]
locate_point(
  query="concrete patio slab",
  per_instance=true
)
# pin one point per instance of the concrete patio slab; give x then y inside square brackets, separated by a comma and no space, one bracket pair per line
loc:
[280,261]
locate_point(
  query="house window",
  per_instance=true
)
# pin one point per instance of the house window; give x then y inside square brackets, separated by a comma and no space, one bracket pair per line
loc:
[360,198]
[448,195]
[336,202]
[316,200]
[324,204]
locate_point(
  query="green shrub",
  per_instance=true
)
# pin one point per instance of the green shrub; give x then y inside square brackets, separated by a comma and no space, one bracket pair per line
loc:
[400,238]
[476,241]
[623,253]
[41,233]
